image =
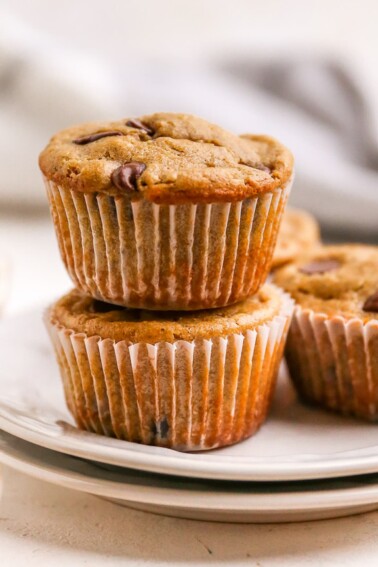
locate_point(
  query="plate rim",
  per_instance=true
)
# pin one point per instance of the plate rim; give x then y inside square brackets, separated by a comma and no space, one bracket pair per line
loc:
[247,502]
[180,464]
[167,461]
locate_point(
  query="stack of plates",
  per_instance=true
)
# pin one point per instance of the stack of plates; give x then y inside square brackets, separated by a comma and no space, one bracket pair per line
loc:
[303,464]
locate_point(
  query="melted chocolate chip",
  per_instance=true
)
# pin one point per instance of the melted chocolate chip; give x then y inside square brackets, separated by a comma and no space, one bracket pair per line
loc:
[161,428]
[164,428]
[93,137]
[102,307]
[319,267]
[371,304]
[135,123]
[125,176]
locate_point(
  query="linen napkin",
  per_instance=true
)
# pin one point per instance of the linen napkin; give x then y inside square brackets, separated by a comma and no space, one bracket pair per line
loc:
[321,108]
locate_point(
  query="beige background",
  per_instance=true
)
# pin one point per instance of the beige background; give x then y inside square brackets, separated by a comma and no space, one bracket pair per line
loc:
[44,525]
[197,27]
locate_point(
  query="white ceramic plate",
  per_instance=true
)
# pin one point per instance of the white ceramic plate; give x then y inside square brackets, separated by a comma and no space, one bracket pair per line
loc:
[195,499]
[296,442]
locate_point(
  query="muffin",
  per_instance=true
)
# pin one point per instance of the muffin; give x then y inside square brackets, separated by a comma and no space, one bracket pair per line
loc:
[332,348]
[166,211]
[299,233]
[186,381]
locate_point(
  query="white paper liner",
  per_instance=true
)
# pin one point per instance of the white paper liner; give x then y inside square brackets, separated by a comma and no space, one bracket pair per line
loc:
[334,362]
[188,395]
[143,255]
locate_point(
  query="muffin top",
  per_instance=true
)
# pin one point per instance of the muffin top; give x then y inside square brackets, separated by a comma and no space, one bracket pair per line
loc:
[83,314]
[335,280]
[298,233]
[165,158]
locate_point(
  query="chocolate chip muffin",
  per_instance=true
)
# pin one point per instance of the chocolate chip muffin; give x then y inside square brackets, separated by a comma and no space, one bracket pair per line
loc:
[189,381]
[166,211]
[332,348]
[299,232]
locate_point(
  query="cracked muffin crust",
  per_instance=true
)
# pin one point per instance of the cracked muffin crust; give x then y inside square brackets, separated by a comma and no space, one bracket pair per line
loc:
[332,347]
[180,158]
[189,382]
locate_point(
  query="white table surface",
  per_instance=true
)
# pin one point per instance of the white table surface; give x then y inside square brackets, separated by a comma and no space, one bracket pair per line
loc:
[44,525]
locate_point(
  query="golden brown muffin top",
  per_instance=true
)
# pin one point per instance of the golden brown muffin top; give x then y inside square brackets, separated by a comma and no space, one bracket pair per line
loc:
[299,232]
[165,158]
[83,314]
[335,280]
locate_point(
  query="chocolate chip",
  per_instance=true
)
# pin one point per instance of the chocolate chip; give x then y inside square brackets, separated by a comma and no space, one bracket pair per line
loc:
[319,267]
[102,307]
[371,304]
[93,137]
[164,428]
[125,176]
[161,428]
[135,123]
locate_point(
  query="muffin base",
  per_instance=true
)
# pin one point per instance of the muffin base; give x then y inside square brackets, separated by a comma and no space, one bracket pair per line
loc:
[187,395]
[166,257]
[333,362]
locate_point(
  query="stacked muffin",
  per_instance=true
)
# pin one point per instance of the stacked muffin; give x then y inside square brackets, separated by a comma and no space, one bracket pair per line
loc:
[167,225]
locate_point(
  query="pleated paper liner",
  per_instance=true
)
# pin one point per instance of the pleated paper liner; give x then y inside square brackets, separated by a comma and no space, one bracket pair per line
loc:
[177,257]
[333,362]
[187,395]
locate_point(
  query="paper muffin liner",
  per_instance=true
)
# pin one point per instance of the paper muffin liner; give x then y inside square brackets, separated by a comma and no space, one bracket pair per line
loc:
[148,256]
[187,395]
[333,362]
